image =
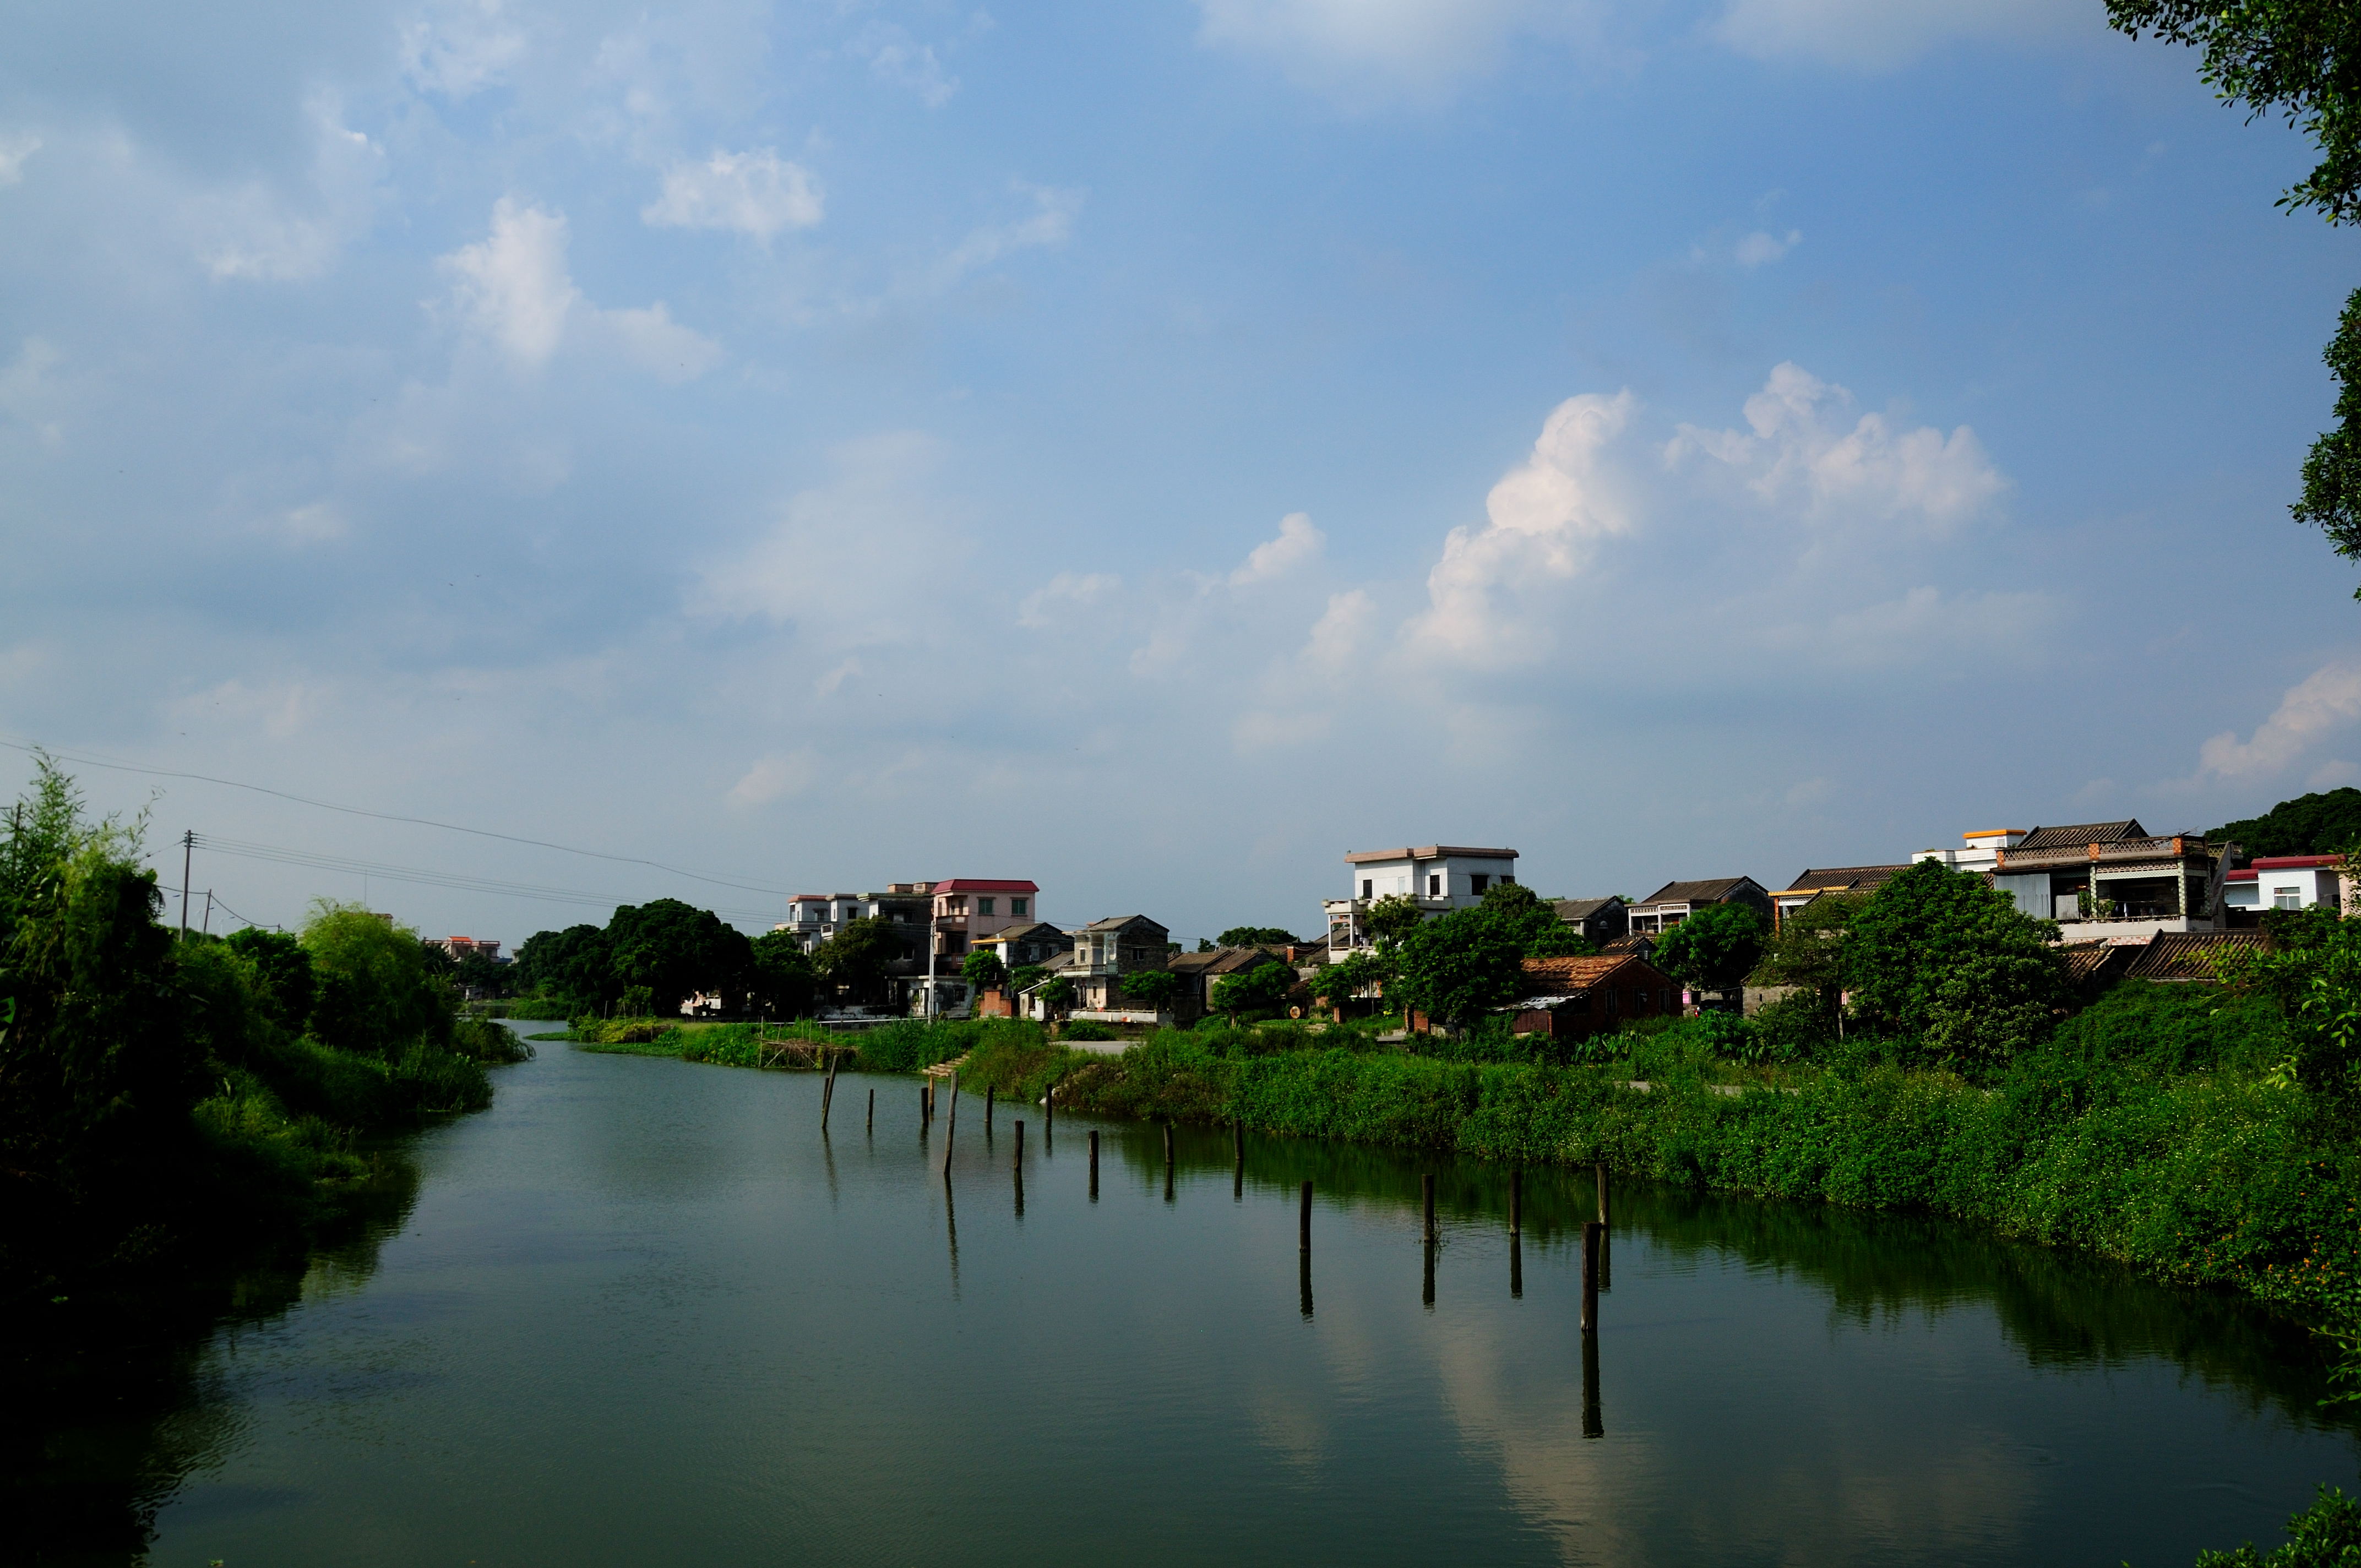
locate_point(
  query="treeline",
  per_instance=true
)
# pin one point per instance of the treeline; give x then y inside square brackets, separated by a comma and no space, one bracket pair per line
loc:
[159,1095]
[650,957]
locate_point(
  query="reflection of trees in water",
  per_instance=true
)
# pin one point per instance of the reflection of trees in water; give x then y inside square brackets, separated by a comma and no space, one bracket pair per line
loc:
[115,1400]
[2060,1308]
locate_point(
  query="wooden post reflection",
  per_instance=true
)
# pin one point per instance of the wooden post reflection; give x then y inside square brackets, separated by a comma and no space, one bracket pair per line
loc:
[1593,1424]
[1590,1232]
[1516,1264]
[1515,1202]
[1303,1277]
[1426,1292]
[1094,1165]
[1606,1257]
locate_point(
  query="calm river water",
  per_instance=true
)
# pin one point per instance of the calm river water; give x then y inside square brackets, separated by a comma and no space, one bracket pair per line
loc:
[641,1312]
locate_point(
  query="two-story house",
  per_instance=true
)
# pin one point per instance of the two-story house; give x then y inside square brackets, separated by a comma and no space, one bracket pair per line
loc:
[1600,919]
[969,908]
[1107,950]
[1439,878]
[2115,881]
[1677,900]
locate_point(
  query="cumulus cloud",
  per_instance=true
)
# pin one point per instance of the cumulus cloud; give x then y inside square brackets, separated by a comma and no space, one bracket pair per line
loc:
[1543,520]
[772,777]
[2326,701]
[458,48]
[1039,610]
[753,192]
[898,60]
[255,231]
[1801,450]
[1876,35]
[1298,543]
[29,393]
[1760,249]
[13,150]
[1421,49]
[1050,223]
[513,290]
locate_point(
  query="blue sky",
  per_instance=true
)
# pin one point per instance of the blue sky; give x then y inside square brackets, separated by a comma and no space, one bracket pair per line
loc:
[1152,449]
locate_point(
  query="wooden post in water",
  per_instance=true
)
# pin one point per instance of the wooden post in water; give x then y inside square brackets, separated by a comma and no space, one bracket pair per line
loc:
[1515,1202]
[872,1110]
[1094,1165]
[1168,1146]
[1426,1289]
[1238,1142]
[1426,1202]
[828,1091]
[950,1128]
[1303,1223]
[990,1095]
[1605,1217]
[1017,1160]
[1593,1424]
[1590,1234]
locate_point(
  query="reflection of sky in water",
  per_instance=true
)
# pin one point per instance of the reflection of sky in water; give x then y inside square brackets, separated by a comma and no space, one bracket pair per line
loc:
[641,1314]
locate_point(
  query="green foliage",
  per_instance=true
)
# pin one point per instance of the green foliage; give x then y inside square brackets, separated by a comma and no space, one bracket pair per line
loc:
[2325,1535]
[1255,936]
[856,957]
[781,978]
[283,974]
[377,992]
[2325,824]
[1348,976]
[2177,1028]
[676,950]
[1808,950]
[1794,1028]
[1715,947]
[1455,967]
[1262,989]
[1151,987]
[1533,922]
[576,963]
[1089,1029]
[983,971]
[2312,976]
[1056,992]
[2332,469]
[1943,956]
[1025,976]
[1392,918]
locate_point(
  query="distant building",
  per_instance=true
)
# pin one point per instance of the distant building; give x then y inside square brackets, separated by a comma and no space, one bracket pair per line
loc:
[1439,878]
[815,917]
[1572,998]
[1677,900]
[1977,851]
[969,908]
[1107,950]
[1017,945]
[2285,881]
[1603,920]
[470,946]
[2114,881]
[1839,879]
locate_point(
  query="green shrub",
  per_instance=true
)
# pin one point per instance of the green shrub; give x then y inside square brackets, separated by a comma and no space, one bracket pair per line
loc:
[2325,1535]
[1794,1028]
[1088,1029]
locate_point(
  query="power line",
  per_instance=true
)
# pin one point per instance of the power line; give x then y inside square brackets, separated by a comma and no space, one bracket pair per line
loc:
[35,748]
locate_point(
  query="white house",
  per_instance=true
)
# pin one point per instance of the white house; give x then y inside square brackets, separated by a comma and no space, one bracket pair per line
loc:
[2285,881]
[1977,851]
[1438,878]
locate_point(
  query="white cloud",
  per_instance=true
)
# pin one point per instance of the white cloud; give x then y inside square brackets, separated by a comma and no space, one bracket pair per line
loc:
[1971,629]
[1876,35]
[13,150]
[831,682]
[1298,542]
[1545,517]
[1421,49]
[1342,633]
[772,777]
[753,192]
[2326,701]
[1050,224]
[319,522]
[1039,610]
[1760,249]
[896,58]
[254,232]
[513,290]
[458,48]
[29,393]
[279,709]
[1801,450]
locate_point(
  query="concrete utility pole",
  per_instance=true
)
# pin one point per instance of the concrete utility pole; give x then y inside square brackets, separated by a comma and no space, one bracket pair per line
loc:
[188,843]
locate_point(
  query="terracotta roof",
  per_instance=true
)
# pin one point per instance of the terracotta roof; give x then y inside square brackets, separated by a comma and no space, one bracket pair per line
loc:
[1695,892]
[2081,834]
[1843,879]
[1429,852]
[1573,974]
[2186,955]
[1637,946]
[2294,862]
[975,885]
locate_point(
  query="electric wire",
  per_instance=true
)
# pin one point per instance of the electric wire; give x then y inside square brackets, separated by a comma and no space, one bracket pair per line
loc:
[87,760]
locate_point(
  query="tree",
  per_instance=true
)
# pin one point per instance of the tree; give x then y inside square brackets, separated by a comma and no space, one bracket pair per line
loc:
[576,963]
[1257,936]
[2313,972]
[983,971]
[376,994]
[1151,987]
[1456,967]
[2324,824]
[1533,922]
[282,972]
[1025,976]
[1349,976]
[1943,955]
[1716,947]
[1203,945]
[487,976]
[1056,992]
[1808,951]
[1262,989]
[856,957]
[783,979]
[2302,60]
[1392,918]
[676,950]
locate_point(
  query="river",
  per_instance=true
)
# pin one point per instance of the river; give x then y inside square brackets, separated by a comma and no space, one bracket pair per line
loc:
[641,1312]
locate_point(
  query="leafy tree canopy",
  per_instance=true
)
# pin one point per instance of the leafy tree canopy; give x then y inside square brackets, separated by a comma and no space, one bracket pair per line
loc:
[377,993]
[983,970]
[1808,949]
[1943,955]
[1262,989]
[1392,918]
[1153,988]
[283,974]
[1350,975]
[1025,976]
[784,980]
[856,957]
[676,949]
[1255,936]
[1455,967]
[1533,922]
[1715,947]
[576,963]
[2324,824]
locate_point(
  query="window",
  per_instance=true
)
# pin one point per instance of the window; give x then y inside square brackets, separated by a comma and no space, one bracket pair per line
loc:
[1475,883]
[1638,1001]
[1368,888]
[2286,898]
[1580,1003]
[983,906]
[1506,879]
[1433,885]
[1016,906]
